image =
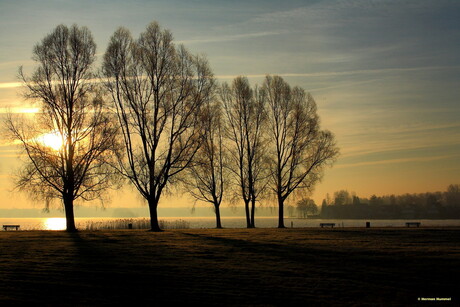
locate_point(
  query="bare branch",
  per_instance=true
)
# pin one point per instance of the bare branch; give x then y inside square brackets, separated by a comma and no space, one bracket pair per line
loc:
[299,150]
[71,108]
[158,91]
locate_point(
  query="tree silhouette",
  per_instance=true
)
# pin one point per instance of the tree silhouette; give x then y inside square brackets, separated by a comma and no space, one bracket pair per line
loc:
[299,148]
[207,177]
[158,91]
[342,197]
[70,142]
[452,195]
[245,116]
[306,206]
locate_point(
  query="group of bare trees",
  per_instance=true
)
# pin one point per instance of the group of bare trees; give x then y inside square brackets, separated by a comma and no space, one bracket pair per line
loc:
[159,91]
[245,116]
[275,142]
[155,115]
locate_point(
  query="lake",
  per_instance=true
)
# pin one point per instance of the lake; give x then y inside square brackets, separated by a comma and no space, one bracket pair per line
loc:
[209,222]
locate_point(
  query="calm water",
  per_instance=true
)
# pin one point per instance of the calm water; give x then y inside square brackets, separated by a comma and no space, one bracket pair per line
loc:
[227,222]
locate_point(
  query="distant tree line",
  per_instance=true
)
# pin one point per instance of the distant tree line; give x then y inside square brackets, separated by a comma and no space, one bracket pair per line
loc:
[154,115]
[430,205]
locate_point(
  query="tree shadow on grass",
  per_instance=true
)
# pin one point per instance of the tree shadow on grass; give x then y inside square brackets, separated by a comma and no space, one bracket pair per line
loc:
[344,275]
[152,273]
[207,268]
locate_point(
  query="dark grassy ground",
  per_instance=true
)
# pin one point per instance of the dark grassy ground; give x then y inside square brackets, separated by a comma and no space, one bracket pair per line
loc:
[238,267]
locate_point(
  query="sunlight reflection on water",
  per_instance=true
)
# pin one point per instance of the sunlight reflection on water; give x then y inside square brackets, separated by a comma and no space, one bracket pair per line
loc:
[55,224]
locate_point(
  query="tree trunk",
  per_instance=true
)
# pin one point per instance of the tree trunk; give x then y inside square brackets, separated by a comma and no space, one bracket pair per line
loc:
[154,225]
[280,212]
[253,213]
[69,215]
[218,223]
[248,217]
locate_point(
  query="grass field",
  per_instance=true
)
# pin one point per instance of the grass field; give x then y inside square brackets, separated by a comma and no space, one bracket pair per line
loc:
[236,267]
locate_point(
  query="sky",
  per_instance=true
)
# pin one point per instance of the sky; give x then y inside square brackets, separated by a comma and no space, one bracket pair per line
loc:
[385,75]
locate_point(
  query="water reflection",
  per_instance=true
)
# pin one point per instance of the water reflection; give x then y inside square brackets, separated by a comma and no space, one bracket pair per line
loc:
[55,223]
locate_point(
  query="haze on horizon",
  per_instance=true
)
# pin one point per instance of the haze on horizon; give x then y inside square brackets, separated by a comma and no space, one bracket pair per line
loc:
[384,74]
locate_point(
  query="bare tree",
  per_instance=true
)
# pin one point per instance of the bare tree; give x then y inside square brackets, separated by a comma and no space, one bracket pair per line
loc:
[207,177]
[452,195]
[306,206]
[245,116]
[158,90]
[342,197]
[299,149]
[70,142]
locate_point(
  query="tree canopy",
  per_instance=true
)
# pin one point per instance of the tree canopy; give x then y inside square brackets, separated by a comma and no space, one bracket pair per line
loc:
[70,142]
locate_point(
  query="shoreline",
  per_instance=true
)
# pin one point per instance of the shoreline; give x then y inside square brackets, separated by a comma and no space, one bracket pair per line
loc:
[209,223]
[338,227]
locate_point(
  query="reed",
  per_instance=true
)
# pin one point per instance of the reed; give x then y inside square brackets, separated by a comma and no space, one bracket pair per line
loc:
[176,224]
[143,223]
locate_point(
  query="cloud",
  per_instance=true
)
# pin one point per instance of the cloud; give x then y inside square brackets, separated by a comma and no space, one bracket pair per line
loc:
[364,133]
[346,73]
[319,74]
[225,38]
[389,148]
[24,109]
[364,142]
[15,64]
[397,161]
[10,84]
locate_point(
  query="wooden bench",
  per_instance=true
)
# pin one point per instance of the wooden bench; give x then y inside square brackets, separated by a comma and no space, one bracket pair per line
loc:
[327,225]
[5,227]
[416,224]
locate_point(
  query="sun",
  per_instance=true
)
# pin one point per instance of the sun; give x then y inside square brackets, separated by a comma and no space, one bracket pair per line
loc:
[52,140]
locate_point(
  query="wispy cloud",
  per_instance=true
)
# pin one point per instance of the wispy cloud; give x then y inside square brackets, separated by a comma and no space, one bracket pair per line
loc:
[15,64]
[419,127]
[387,148]
[346,73]
[22,110]
[360,142]
[336,11]
[10,149]
[397,161]
[225,38]
[10,84]
[361,138]
[6,85]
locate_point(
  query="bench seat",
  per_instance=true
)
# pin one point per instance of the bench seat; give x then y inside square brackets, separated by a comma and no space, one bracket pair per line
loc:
[5,227]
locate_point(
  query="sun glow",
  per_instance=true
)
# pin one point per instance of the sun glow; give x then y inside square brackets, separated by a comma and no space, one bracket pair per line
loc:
[55,224]
[52,140]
